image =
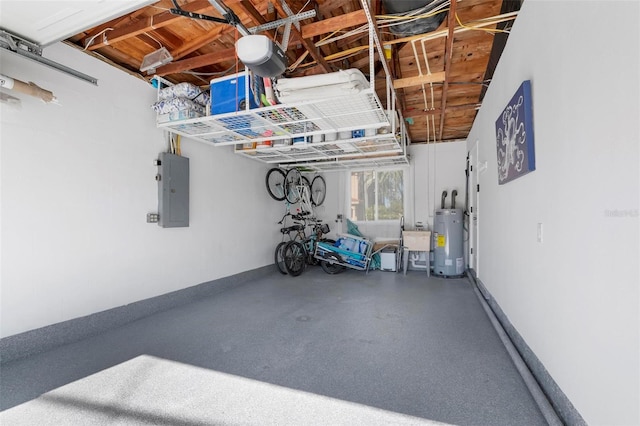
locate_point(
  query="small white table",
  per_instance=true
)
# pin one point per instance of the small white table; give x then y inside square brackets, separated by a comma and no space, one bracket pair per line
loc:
[415,241]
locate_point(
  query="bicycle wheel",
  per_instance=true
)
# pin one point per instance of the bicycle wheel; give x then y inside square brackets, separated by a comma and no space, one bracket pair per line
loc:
[318,190]
[294,258]
[330,266]
[292,179]
[279,257]
[306,184]
[275,183]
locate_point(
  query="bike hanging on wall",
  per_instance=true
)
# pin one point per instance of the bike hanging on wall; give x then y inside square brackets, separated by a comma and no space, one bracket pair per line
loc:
[291,185]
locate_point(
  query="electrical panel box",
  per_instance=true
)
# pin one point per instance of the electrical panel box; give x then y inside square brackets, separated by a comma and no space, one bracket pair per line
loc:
[173,191]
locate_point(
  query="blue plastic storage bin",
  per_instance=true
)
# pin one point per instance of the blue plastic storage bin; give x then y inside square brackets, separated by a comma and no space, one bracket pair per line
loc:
[228,94]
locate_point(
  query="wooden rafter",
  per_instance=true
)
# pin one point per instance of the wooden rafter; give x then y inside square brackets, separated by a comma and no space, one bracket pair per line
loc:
[334,24]
[251,11]
[436,77]
[351,40]
[397,69]
[198,61]
[364,62]
[198,42]
[331,24]
[438,111]
[338,34]
[469,26]
[311,48]
[142,25]
[448,53]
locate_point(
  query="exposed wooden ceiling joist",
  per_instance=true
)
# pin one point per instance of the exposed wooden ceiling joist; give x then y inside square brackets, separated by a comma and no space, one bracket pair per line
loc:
[311,48]
[142,25]
[251,11]
[448,53]
[436,77]
[468,26]
[199,42]
[198,62]
[336,23]
[456,56]
[438,111]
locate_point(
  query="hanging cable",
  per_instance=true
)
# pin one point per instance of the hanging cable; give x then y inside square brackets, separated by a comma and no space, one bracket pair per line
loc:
[90,41]
[154,39]
[488,30]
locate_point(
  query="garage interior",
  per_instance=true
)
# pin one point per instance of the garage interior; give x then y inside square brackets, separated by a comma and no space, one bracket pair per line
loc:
[108,317]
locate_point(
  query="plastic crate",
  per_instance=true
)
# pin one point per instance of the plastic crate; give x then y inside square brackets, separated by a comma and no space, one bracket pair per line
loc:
[228,94]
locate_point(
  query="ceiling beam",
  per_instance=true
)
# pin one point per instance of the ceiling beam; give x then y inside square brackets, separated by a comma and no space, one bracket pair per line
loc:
[468,26]
[251,11]
[352,39]
[436,77]
[311,48]
[142,25]
[397,70]
[336,23]
[499,42]
[448,54]
[362,62]
[437,111]
[198,62]
[192,45]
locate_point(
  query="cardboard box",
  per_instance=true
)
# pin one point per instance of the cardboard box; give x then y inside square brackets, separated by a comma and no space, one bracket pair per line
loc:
[379,244]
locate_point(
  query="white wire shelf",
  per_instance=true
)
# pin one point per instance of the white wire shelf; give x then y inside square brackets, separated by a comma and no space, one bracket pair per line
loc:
[284,134]
[347,149]
[283,124]
[340,164]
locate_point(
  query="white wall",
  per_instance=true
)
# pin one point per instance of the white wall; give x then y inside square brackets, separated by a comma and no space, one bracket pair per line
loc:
[574,297]
[433,168]
[77,183]
[436,168]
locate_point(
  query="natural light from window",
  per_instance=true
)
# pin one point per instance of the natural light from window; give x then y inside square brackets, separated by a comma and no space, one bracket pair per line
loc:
[377,195]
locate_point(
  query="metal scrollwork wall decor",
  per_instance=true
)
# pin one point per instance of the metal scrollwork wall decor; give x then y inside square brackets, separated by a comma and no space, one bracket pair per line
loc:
[514,136]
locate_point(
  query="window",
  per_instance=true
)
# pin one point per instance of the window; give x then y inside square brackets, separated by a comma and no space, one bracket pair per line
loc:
[377,195]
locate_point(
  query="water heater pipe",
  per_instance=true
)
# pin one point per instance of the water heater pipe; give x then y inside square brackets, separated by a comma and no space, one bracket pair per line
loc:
[454,193]
[30,88]
[444,197]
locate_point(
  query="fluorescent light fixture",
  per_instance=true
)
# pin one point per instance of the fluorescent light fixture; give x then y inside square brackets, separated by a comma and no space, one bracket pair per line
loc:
[155,59]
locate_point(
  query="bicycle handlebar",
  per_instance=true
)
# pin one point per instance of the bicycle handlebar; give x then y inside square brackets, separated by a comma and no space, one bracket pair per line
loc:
[300,217]
[284,217]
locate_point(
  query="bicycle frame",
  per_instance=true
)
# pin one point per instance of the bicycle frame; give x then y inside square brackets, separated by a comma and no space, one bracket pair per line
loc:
[310,242]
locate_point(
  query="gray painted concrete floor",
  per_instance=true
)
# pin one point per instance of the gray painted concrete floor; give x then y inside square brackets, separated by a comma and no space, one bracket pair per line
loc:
[407,344]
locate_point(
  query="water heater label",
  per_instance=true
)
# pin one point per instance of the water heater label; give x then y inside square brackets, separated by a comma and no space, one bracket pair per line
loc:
[442,241]
[459,265]
[448,262]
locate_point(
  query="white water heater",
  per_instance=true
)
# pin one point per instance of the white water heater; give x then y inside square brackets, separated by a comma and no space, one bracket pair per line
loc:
[448,245]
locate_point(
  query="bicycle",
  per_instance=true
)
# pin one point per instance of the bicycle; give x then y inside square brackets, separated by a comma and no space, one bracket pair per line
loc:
[295,183]
[286,230]
[299,252]
[288,185]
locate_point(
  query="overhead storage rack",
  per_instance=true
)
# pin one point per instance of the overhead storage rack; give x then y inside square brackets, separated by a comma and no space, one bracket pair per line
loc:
[285,123]
[327,134]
